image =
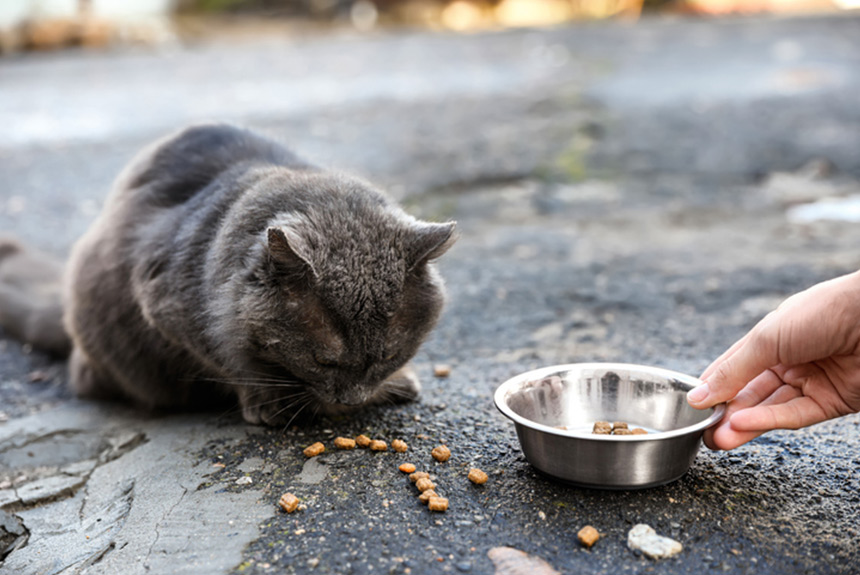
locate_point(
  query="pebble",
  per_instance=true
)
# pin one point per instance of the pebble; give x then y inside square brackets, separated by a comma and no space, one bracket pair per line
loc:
[244,480]
[644,538]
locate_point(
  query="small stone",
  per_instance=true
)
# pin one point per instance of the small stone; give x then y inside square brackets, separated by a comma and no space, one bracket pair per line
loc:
[244,480]
[644,538]
[441,370]
[588,536]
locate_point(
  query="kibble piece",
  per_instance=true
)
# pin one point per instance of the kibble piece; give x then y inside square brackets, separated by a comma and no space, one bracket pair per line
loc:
[418,475]
[378,445]
[639,431]
[362,441]
[441,370]
[314,450]
[622,431]
[477,476]
[399,446]
[588,536]
[288,502]
[407,468]
[424,484]
[344,443]
[441,453]
[437,504]
[619,425]
[601,428]
[426,495]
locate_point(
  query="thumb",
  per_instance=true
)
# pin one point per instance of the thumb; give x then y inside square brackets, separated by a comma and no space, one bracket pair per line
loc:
[727,375]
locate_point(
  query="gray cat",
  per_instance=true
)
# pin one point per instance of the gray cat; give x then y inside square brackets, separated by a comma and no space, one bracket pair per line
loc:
[224,265]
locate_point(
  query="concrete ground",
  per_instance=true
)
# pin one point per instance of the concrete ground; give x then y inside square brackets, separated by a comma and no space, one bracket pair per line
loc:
[633,193]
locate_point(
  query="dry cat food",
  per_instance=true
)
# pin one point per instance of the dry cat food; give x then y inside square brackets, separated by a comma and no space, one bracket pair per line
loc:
[362,441]
[477,476]
[414,477]
[616,428]
[588,536]
[441,370]
[378,445]
[425,496]
[424,484]
[602,428]
[407,468]
[288,502]
[314,450]
[437,504]
[399,446]
[441,453]
[344,443]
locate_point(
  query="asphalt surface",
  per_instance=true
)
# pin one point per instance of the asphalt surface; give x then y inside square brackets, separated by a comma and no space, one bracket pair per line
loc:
[623,193]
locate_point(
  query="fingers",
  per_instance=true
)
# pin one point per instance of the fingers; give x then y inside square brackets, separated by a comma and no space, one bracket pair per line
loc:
[724,435]
[750,356]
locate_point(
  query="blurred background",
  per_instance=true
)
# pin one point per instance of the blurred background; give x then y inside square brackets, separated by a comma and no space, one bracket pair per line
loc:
[57,24]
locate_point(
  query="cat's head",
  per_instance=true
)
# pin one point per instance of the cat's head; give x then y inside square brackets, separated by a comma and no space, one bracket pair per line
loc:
[345,293]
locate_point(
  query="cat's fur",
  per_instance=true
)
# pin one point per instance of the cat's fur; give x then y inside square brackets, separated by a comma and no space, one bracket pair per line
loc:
[222,264]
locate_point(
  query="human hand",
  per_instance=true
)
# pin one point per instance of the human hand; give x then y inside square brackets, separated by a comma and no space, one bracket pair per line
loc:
[798,366]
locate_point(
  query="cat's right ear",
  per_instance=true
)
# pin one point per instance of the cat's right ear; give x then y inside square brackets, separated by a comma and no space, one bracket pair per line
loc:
[288,252]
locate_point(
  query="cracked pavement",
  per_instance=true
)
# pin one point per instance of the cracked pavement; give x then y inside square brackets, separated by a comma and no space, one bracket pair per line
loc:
[623,193]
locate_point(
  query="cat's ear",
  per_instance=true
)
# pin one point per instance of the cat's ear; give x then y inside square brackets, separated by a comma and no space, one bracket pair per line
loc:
[289,251]
[431,241]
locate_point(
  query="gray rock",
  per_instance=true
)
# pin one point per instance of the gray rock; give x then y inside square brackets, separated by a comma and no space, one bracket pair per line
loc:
[644,538]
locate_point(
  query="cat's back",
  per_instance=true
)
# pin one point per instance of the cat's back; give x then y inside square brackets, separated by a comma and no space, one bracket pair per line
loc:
[175,169]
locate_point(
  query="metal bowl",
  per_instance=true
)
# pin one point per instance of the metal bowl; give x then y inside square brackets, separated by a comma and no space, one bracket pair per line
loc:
[554,410]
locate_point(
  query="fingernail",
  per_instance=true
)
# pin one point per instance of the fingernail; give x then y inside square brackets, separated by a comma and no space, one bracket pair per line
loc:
[698,394]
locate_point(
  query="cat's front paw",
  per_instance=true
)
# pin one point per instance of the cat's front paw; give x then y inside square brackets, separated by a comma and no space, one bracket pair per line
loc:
[273,408]
[401,386]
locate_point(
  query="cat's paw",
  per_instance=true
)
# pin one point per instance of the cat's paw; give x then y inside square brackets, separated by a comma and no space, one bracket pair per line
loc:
[402,386]
[274,407]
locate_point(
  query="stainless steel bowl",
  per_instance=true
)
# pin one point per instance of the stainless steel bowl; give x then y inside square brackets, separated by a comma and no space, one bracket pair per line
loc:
[554,410]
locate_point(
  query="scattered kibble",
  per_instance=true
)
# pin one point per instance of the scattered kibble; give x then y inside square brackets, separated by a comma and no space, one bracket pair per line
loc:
[441,370]
[288,502]
[407,468]
[362,441]
[418,475]
[477,476]
[314,450]
[437,504]
[588,536]
[424,484]
[378,445]
[399,446]
[441,453]
[426,495]
[602,428]
[344,443]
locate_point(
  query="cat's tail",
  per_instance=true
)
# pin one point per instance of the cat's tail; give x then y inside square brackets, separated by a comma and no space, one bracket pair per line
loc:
[31,307]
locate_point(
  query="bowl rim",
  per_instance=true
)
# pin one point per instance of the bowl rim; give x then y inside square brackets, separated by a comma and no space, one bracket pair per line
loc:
[498,398]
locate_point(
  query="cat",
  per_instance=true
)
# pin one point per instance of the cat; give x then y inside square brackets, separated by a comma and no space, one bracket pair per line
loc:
[221,266]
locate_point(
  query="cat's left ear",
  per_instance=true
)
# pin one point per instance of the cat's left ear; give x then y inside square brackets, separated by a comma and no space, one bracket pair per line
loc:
[431,241]
[289,250]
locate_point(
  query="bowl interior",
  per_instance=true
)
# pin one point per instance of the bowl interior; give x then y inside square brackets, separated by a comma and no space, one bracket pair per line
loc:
[573,397]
